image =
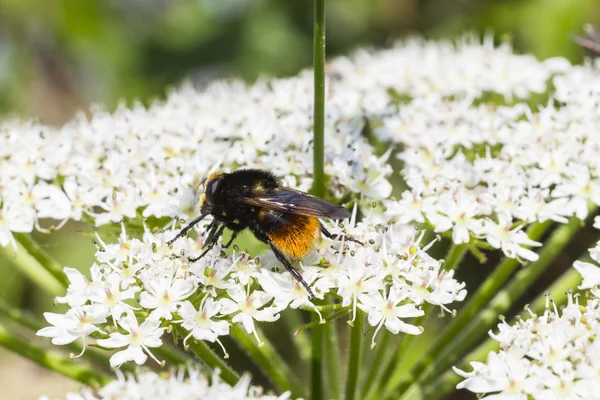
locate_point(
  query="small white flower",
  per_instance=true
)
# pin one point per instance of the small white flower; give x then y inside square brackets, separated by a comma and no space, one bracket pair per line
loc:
[75,324]
[355,280]
[202,323]
[80,287]
[389,311]
[286,290]
[14,219]
[504,373]
[501,235]
[457,214]
[163,295]
[109,297]
[249,307]
[591,276]
[139,340]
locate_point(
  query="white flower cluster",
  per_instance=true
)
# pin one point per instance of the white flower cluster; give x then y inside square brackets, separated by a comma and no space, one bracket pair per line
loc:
[552,356]
[479,166]
[190,385]
[140,287]
[149,162]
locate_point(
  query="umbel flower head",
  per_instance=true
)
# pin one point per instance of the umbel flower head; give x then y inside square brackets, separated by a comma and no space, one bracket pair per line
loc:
[550,356]
[477,171]
[389,280]
[181,385]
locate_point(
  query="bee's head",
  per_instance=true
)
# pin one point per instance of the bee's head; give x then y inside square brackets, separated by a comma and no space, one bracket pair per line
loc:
[211,186]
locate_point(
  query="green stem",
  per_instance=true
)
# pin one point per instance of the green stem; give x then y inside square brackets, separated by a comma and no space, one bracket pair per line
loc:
[53,360]
[33,269]
[170,354]
[352,376]
[375,369]
[20,317]
[452,261]
[455,256]
[292,319]
[34,249]
[318,187]
[332,352]
[485,292]
[327,307]
[446,384]
[500,303]
[210,358]
[316,359]
[269,360]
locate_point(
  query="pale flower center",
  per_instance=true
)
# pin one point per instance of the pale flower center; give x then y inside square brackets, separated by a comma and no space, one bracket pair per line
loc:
[389,311]
[137,337]
[201,320]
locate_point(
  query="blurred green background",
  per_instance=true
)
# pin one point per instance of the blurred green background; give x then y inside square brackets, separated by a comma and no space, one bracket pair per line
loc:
[60,56]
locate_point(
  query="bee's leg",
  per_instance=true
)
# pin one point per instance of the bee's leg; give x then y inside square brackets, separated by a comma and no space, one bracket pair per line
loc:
[185,230]
[332,236]
[282,258]
[213,236]
[233,236]
[236,229]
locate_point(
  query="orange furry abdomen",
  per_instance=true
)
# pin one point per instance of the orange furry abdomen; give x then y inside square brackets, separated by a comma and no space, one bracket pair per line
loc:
[296,238]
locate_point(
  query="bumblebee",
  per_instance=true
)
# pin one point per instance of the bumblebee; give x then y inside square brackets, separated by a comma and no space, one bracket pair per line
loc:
[282,217]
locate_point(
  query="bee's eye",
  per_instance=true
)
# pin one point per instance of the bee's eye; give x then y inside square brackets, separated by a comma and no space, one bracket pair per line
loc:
[211,188]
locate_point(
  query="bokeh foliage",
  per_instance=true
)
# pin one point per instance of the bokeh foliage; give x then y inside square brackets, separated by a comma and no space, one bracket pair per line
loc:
[58,56]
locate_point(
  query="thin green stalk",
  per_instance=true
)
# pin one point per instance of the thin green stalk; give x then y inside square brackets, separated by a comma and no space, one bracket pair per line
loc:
[20,317]
[170,354]
[210,358]
[43,257]
[52,360]
[318,187]
[375,368]
[455,256]
[332,352]
[446,384]
[269,360]
[301,340]
[499,304]
[33,269]
[352,376]
[456,253]
[485,292]
[316,359]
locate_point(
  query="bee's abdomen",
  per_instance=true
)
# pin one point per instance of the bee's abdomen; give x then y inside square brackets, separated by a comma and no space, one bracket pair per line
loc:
[293,234]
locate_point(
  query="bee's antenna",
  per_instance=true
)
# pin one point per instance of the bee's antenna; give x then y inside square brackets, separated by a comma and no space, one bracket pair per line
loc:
[189,226]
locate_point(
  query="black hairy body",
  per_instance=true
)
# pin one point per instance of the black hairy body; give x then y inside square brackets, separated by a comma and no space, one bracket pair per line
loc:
[254,199]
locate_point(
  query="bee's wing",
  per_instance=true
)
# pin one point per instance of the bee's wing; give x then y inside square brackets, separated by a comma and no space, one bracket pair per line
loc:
[293,201]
